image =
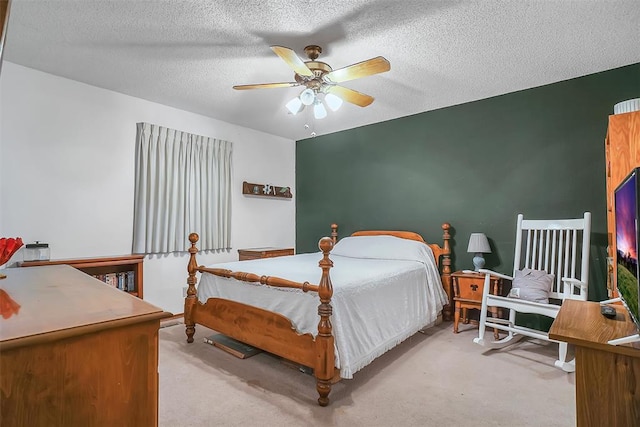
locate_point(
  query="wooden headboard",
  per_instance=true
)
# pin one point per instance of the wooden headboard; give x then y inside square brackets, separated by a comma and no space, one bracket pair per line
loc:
[402,234]
[438,251]
[442,254]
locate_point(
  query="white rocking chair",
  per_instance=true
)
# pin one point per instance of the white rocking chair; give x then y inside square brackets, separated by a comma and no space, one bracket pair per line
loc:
[551,246]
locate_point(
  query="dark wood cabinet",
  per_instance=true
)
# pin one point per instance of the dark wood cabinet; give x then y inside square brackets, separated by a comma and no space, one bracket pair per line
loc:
[104,267]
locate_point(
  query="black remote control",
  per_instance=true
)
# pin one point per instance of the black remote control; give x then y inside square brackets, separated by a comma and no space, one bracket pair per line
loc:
[608,311]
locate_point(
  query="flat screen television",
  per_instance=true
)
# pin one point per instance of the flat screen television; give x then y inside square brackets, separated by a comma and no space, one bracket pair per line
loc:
[627,218]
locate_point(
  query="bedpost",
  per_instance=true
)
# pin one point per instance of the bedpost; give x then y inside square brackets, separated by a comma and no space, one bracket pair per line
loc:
[191,299]
[325,366]
[334,233]
[446,270]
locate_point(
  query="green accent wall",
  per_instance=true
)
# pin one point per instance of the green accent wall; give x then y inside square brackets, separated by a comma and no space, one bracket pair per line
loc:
[477,165]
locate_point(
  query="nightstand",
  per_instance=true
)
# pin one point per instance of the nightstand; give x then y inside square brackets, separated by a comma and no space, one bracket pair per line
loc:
[467,294]
[268,252]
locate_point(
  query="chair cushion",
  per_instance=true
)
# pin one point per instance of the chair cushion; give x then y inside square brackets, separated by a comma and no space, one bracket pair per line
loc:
[532,285]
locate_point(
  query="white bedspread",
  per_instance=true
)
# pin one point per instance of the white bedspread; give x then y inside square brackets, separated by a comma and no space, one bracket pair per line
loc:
[377,303]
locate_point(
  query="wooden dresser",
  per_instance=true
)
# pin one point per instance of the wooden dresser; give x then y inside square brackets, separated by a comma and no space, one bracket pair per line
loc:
[268,252]
[607,386]
[78,352]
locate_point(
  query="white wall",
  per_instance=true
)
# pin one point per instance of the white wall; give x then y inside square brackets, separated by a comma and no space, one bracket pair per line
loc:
[67,175]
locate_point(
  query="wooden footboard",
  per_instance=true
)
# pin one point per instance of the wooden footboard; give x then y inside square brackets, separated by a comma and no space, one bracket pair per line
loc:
[264,329]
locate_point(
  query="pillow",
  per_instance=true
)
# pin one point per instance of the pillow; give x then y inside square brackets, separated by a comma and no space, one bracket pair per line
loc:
[532,285]
[383,247]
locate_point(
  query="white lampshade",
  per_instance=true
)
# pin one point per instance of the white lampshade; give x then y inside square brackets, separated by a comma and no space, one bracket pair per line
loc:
[334,102]
[294,106]
[307,96]
[478,243]
[319,112]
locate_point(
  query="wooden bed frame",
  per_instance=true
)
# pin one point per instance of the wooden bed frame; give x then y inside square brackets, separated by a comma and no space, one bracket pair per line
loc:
[273,332]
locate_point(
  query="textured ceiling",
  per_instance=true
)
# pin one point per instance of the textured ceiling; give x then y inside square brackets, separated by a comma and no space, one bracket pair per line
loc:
[189,54]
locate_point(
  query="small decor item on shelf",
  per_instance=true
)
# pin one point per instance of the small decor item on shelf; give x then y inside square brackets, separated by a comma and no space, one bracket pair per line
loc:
[36,251]
[8,247]
[266,190]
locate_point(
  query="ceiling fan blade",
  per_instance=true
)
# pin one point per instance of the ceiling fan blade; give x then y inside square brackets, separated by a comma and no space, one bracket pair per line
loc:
[292,60]
[350,95]
[265,85]
[362,69]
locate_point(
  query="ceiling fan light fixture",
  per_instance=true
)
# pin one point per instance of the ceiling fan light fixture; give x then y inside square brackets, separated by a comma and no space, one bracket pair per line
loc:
[319,112]
[308,96]
[294,106]
[333,102]
[320,82]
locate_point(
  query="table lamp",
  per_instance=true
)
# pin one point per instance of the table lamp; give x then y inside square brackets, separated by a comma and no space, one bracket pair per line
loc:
[478,244]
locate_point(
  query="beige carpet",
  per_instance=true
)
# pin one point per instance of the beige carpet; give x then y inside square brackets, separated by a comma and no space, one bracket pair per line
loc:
[436,378]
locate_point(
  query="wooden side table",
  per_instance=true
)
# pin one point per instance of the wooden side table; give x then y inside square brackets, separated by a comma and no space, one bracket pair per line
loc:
[267,252]
[467,294]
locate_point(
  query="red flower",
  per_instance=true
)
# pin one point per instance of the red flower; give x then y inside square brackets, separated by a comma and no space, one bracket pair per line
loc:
[8,247]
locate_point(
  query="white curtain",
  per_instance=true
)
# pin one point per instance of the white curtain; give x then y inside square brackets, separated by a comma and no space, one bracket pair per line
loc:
[183,185]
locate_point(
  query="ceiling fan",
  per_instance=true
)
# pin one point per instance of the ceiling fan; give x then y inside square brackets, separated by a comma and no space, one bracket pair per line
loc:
[321,81]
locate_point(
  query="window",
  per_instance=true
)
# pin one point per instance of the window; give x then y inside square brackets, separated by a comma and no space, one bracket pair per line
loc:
[183,185]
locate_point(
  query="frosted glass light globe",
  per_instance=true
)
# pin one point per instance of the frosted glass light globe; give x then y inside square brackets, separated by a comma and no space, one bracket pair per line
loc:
[307,96]
[319,112]
[334,102]
[294,106]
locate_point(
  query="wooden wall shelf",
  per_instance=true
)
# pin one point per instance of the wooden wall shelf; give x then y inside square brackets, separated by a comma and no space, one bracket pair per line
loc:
[266,190]
[100,267]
